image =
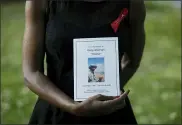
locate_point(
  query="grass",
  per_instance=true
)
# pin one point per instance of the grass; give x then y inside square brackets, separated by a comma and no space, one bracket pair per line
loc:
[155,88]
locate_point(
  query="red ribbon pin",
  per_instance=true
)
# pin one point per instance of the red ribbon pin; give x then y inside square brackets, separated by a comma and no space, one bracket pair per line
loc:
[115,24]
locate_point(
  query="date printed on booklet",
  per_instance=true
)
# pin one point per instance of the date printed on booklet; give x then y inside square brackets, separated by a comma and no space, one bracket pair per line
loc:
[96,67]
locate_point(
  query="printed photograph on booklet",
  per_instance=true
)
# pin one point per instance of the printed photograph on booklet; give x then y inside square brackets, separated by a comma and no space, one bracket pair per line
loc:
[96,69]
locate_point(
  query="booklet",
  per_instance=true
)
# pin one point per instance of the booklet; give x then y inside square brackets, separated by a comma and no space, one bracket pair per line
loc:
[96,67]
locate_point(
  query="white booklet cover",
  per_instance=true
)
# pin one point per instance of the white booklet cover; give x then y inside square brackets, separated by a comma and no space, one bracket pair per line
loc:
[96,67]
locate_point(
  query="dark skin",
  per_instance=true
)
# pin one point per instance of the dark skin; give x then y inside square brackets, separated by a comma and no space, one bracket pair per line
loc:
[37,82]
[93,69]
[132,58]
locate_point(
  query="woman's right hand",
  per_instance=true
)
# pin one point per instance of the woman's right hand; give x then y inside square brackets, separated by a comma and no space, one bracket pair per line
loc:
[100,105]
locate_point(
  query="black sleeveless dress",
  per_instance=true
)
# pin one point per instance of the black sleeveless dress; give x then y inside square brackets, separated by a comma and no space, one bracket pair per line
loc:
[69,20]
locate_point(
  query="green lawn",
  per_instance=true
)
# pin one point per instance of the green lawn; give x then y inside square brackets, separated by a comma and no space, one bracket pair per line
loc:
[155,89]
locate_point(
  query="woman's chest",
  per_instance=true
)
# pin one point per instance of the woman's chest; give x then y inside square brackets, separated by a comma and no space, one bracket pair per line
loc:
[64,26]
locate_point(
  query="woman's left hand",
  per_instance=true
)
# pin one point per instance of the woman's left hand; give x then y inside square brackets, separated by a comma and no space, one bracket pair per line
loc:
[124,61]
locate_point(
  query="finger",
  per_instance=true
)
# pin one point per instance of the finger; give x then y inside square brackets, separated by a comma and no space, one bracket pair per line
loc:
[125,61]
[94,97]
[123,57]
[121,92]
[120,106]
[116,101]
[125,94]
[105,98]
[101,97]
[125,64]
[126,56]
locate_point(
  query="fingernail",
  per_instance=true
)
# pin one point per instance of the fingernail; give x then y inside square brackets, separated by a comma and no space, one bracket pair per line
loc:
[117,97]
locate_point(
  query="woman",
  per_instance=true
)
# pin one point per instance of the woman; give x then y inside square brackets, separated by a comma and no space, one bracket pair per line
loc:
[68,20]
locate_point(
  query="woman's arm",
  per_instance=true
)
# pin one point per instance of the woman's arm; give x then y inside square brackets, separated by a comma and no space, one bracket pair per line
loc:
[33,56]
[137,18]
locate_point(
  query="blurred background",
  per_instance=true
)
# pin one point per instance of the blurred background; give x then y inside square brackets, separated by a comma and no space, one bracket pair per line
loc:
[155,88]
